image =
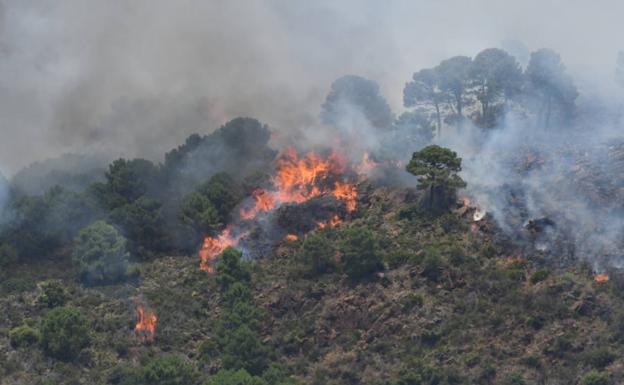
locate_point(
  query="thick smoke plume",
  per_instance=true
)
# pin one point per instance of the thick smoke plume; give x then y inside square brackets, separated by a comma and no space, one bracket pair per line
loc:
[136,79]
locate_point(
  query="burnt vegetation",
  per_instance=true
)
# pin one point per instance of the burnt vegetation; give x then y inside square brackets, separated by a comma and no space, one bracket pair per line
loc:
[380,271]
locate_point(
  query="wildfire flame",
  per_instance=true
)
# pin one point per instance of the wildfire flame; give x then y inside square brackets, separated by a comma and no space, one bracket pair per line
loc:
[601,278]
[146,327]
[212,247]
[333,222]
[297,179]
[291,237]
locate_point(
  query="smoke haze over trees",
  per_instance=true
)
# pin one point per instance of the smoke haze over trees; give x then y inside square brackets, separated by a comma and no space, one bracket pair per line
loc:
[135,80]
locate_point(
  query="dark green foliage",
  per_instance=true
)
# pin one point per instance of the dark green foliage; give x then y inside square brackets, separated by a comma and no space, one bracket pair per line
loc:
[53,294]
[235,377]
[43,224]
[432,264]
[539,275]
[207,209]
[318,253]
[237,292]
[23,336]
[596,378]
[64,332]
[159,370]
[100,254]
[360,253]
[142,223]
[497,77]
[355,92]
[436,168]
[242,349]
[454,75]
[8,254]
[513,379]
[232,269]
[425,90]
[551,85]
[600,358]
[127,181]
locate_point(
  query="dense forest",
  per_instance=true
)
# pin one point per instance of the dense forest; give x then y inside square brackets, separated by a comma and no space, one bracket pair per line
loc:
[473,239]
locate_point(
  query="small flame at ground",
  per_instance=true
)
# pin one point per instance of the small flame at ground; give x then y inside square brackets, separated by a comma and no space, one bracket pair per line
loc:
[291,237]
[212,247]
[146,327]
[601,278]
[333,222]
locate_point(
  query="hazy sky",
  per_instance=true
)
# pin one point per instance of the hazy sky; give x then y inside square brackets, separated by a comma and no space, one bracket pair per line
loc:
[136,77]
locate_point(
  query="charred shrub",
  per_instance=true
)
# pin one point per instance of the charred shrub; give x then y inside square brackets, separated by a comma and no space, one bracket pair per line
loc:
[360,253]
[64,332]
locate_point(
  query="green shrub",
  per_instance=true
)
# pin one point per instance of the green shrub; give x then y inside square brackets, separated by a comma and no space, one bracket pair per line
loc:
[318,252]
[432,264]
[100,254]
[53,294]
[539,276]
[242,349]
[237,292]
[411,301]
[360,253]
[159,370]
[235,377]
[596,378]
[600,358]
[64,332]
[513,379]
[23,336]
[8,254]
[231,269]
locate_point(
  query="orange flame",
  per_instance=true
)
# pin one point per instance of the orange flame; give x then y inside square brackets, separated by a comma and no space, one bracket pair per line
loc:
[601,278]
[291,237]
[333,222]
[146,327]
[366,165]
[212,247]
[299,179]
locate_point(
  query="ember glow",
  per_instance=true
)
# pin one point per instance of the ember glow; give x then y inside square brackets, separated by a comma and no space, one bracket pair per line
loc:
[146,326]
[601,278]
[291,237]
[333,222]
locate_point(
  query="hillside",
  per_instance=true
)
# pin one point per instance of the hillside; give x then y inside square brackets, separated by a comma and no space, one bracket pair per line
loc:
[450,307]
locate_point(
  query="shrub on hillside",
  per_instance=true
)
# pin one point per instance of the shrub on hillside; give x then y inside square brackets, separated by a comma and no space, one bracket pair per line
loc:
[23,336]
[160,370]
[8,254]
[360,253]
[318,252]
[53,294]
[231,269]
[64,332]
[100,254]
